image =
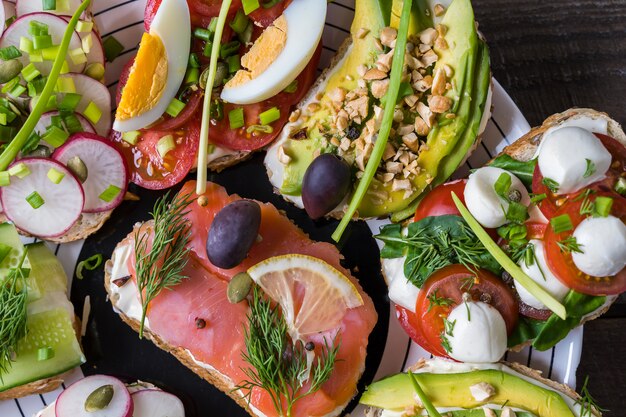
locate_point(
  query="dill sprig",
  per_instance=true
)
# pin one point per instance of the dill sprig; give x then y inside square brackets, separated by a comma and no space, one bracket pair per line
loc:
[279,365]
[589,406]
[13,294]
[160,265]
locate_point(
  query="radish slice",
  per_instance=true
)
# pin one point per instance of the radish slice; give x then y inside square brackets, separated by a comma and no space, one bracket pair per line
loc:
[96,53]
[9,10]
[155,403]
[56,28]
[62,202]
[91,91]
[71,402]
[33,6]
[106,168]
[3,16]
[45,121]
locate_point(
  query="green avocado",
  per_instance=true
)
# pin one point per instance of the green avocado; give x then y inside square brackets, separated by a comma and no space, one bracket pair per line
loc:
[450,140]
[453,390]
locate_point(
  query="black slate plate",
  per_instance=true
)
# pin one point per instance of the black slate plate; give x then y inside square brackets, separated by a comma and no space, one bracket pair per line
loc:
[114,348]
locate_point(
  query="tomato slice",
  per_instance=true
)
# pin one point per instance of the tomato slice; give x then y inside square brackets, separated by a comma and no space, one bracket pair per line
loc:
[191,108]
[450,283]
[264,17]
[562,264]
[438,201]
[148,168]
[535,230]
[211,8]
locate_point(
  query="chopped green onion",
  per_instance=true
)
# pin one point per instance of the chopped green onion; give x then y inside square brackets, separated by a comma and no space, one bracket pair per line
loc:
[194,61]
[112,48]
[95,71]
[234,63]
[507,263]
[602,206]
[175,107]
[17,91]
[9,52]
[561,223]
[3,119]
[202,33]
[110,193]
[70,101]
[89,264]
[387,120]
[206,108]
[4,251]
[66,85]
[37,28]
[26,45]
[55,176]
[250,5]
[5,179]
[536,198]
[213,24]
[32,143]
[428,405]
[620,186]
[35,200]
[72,124]
[84,26]
[551,184]
[42,42]
[10,21]
[269,116]
[55,136]
[260,129]
[30,72]
[246,36]
[503,185]
[192,75]
[78,56]
[48,4]
[49,54]
[516,212]
[36,86]
[292,87]
[45,353]
[217,111]
[65,68]
[9,85]
[165,144]
[87,43]
[240,22]
[208,47]
[235,118]
[93,113]
[35,56]
[131,136]
[229,49]
[63,6]
[7,114]
[56,121]
[19,170]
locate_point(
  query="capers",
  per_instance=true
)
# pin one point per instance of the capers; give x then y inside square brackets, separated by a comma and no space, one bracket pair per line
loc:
[239,287]
[515,196]
[9,70]
[221,72]
[78,167]
[41,151]
[99,399]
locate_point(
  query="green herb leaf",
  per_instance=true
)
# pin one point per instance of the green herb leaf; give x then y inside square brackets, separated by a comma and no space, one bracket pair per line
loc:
[570,245]
[590,169]
[589,406]
[89,264]
[522,170]
[503,185]
[551,184]
[435,301]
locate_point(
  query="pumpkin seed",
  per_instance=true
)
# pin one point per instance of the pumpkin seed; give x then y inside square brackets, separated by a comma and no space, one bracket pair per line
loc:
[78,167]
[9,70]
[99,399]
[239,287]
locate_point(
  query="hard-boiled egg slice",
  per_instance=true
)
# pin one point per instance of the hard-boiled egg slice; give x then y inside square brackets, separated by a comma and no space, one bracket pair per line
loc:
[159,68]
[279,54]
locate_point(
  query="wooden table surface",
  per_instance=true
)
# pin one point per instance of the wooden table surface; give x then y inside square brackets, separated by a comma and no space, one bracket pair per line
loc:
[550,56]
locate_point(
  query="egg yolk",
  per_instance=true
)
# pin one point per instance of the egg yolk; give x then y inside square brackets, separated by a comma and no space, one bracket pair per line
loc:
[261,55]
[146,80]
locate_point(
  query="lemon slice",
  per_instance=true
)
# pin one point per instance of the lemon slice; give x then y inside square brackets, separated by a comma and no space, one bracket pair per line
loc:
[313,295]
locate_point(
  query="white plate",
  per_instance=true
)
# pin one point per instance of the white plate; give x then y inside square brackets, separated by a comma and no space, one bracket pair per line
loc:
[124,20]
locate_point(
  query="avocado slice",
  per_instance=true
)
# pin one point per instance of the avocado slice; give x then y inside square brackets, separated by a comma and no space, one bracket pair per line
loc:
[448,138]
[453,390]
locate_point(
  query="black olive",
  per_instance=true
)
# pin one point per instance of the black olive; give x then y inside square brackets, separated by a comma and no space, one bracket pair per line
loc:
[325,184]
[309,346]
[233,232]
[353,132]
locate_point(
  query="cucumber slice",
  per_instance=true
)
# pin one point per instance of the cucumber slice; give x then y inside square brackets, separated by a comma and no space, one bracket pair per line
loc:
[9,237]
[52,329]
[46,272]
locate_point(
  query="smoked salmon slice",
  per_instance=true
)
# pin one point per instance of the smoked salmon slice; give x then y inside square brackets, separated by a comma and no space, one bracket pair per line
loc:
[218,341]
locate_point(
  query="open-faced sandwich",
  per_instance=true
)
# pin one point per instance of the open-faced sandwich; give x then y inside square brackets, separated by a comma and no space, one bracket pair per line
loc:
[103,395]
[437,388]
[252,304]
[60,177]
[400,108]
[526,249]
[39,333]
[256,60]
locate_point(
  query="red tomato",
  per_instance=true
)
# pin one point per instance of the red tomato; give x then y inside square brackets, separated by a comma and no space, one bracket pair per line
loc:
[412,326]
[148,16]
[562,264]
[450,283]
[265,17]
[551,204]
[148,169]
[438,201]
[535,230]
[171,123]
[211,8]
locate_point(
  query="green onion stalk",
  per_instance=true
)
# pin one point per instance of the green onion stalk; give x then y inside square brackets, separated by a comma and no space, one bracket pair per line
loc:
[385,127]
[11,151]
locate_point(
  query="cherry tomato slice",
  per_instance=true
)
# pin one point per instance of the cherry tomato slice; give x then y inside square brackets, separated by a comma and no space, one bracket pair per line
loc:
[535,230]
[191,108]
[148,169]
[561,262]
[264,17]
[450,283]
[439,200]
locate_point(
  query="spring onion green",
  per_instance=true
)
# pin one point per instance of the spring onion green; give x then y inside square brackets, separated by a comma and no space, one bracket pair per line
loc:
[165,144]
[9,86]
[602,206]
[430,408]
[235,118]
[37,28]
[507,263]
[89,264]
[385,126]
[620,186]
[5,179]
[250,5]
[66,85]
[87,43]
[55,136]
[95,71]
[175,107]
[561,223]
[70,101]
[45,353]
[202,34]
[78,56]
[206,110]
[229,49]
[26,45]
[55,176]
[240,22]
[234,63]
[72,124]
[111,192]
[11,151]
[269,116]
[9,52]
[35,200]
[84,26]
[48,4]
[131,137]
[93,112]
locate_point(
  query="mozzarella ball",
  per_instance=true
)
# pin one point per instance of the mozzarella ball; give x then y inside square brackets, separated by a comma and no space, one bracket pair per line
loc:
[603,245]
